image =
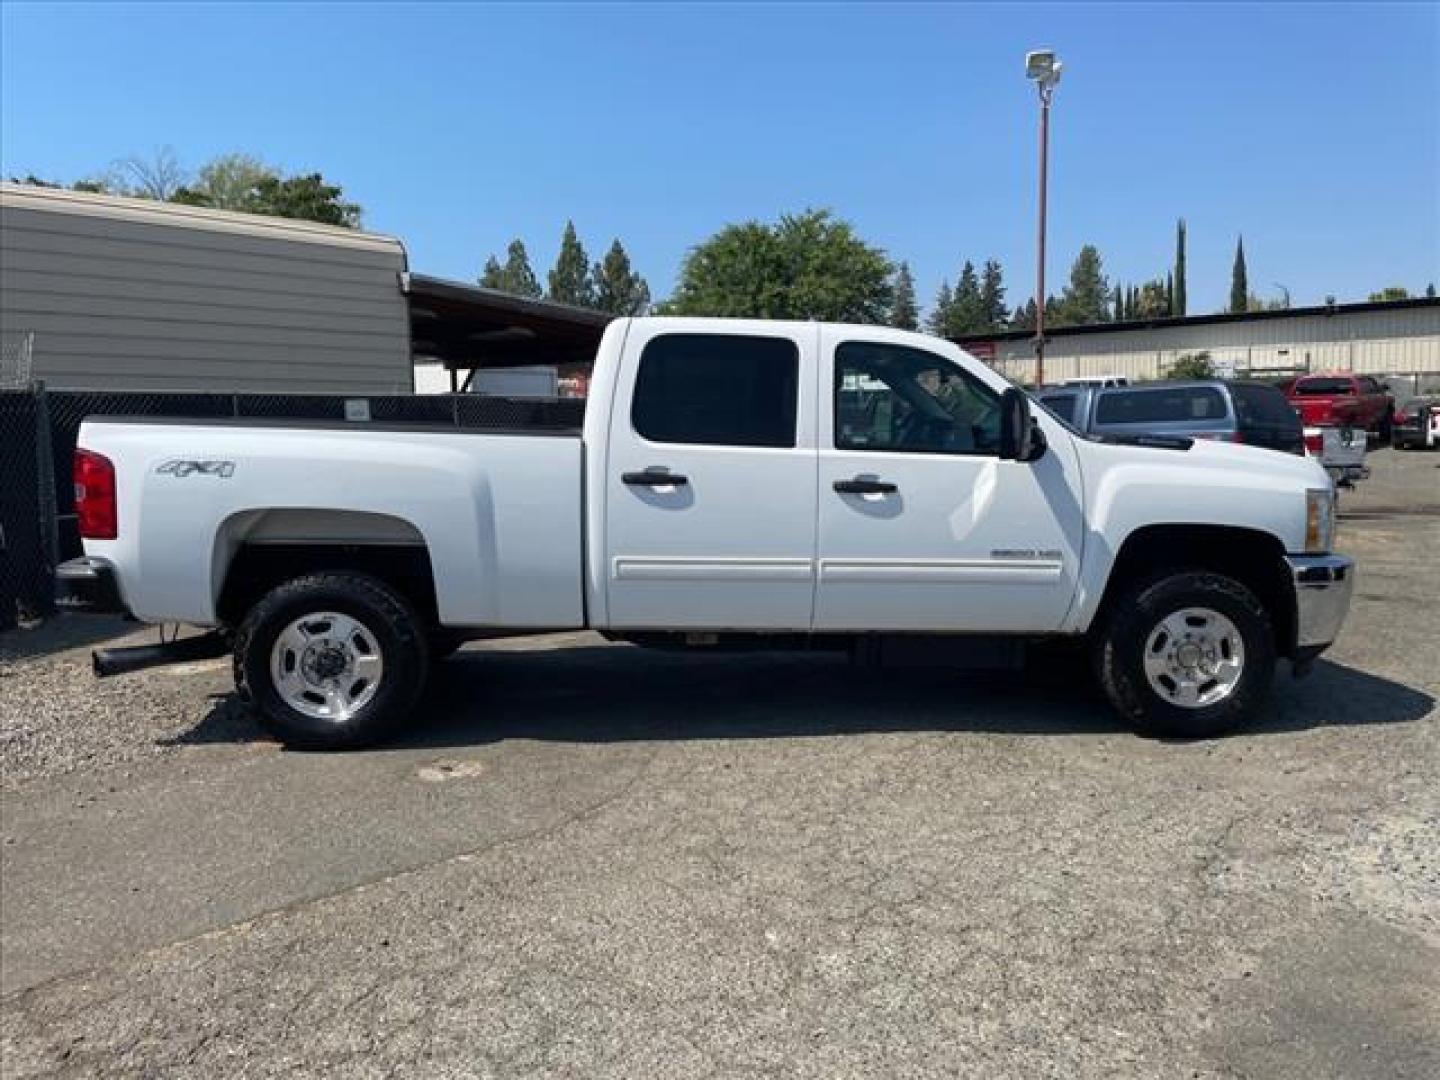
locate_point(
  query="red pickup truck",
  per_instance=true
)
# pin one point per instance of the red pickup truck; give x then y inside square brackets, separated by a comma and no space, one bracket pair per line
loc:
[1342,398]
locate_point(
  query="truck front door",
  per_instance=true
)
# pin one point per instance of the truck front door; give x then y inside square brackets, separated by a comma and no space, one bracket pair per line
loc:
[921,525]
[710,480]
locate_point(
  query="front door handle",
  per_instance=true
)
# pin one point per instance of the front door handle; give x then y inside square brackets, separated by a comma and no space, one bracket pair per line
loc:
[861,486]
[654,477]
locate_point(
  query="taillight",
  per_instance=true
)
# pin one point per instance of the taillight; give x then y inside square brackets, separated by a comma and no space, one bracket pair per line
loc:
[95,495]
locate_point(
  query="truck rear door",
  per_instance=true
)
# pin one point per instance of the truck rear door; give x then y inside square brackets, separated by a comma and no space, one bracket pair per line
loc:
[710,479]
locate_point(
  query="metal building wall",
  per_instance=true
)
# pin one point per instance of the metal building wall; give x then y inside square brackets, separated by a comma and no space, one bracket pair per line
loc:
[1388,342]
[128,294]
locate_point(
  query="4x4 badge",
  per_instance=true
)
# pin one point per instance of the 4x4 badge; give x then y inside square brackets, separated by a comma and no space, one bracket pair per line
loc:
[180,467]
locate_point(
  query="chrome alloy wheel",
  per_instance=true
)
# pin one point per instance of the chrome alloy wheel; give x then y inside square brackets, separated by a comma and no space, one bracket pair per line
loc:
[1194,658]
[326,665]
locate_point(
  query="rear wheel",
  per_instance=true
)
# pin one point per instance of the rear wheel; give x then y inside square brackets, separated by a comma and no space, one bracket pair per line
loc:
[1188,655]
[331,660]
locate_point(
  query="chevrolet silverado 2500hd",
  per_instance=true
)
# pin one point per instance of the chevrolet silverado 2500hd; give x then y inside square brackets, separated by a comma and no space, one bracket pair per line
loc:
[736,482]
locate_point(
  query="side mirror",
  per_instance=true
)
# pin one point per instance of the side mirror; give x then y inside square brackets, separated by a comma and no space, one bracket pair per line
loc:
[1020,439]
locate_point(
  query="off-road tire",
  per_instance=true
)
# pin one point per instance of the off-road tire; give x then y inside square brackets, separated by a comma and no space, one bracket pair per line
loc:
[399,636]
[1120,643]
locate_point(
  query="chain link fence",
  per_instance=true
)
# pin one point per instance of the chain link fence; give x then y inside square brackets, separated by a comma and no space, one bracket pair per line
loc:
[39,428]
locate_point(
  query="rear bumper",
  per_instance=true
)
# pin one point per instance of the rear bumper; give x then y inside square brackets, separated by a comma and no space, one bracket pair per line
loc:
[88,584]
[1323,586]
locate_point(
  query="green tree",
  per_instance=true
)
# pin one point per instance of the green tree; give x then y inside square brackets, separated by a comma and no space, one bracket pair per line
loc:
[806,266]
[1086,298]
[618,289]
[1151,302]
[228,182]
[569,280]
[1430,290]
[938,321]
[1391,292]
[1193,366]
[1024,316]
[967,313]
[514,276]
[904,312]
[992,296]
[1239,280]
[1120,314]
[1179,307]
[1169,292]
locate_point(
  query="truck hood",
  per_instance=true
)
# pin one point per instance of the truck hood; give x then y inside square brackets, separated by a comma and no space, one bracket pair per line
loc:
[1255,459]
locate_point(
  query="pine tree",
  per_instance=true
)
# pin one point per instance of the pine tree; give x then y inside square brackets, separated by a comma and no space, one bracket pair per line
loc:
[1086,297]
[992,296]
[570,281]
[493,276]
[968,312]
[618,289]
[1239,280]
[515,276]
[1024,316]
[1180,306]
[904,312]
[938,321]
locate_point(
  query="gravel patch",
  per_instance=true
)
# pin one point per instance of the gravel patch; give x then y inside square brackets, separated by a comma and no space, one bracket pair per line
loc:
[56,717]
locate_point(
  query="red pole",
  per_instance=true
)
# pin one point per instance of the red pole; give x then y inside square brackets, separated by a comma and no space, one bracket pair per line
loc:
[1040,258]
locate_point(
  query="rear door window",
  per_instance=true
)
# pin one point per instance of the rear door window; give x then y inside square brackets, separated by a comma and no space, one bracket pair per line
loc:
[1161,405]
[718,390]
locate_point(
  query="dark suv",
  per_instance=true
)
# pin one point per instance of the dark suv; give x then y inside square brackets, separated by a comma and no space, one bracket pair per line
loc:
[1243,412]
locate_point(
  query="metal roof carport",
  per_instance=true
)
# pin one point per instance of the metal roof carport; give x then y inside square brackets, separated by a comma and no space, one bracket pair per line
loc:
[467,327]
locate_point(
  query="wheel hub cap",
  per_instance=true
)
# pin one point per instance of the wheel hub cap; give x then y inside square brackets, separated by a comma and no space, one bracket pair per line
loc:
[1194,657]
[327,665]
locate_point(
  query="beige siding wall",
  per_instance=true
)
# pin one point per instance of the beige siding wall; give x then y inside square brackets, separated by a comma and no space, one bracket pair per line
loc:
[1383,342]
[124,294]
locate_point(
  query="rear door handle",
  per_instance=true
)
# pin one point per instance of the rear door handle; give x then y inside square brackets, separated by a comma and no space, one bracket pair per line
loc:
[654,478]
[861,486]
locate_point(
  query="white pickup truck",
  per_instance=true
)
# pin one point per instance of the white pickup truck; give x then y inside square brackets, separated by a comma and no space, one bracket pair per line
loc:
[798,485]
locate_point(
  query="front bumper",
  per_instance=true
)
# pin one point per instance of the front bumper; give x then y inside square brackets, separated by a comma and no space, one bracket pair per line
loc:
[88,584]
[1323,584]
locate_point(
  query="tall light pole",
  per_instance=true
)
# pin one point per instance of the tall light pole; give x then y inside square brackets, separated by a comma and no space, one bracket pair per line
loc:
[1043,68]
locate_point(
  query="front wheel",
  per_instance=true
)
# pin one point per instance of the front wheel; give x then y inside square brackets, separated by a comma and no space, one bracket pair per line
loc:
[332,661]
[1188,655]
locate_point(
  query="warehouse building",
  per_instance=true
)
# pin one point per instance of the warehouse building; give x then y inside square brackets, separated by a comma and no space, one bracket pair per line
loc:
[1390,338]
[99,292]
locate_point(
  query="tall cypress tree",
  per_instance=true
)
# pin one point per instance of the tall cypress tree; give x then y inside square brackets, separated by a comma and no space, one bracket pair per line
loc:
[1169,293]
[904,312]
[618,289]
[1239,280]
[1181,301]
[570,281]
[1119,302]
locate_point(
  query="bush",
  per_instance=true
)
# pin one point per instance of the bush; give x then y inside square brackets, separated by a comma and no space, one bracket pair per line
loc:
[1193,366]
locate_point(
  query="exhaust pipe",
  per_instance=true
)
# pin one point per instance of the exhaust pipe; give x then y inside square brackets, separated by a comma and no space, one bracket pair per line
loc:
[107,662]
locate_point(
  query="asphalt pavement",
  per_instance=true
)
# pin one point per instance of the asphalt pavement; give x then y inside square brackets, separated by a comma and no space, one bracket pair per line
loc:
[592,860]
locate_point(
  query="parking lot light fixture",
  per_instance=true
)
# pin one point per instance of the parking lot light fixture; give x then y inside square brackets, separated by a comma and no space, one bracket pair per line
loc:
[1043,68]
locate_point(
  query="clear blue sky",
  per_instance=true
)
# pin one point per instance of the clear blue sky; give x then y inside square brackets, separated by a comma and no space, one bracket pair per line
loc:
[1311,129]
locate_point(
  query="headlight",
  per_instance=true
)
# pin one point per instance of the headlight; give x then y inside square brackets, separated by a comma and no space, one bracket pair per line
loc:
[1319,520]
